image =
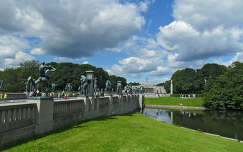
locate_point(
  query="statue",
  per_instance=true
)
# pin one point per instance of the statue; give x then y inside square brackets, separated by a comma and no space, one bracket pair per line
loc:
[68,88]
[95,86]
[128,89]
[134,90]
[102,92]
[53,87]
[141,90]
[119,87]
[108,85]
[44,76]
[2,85]
[83,85]
[44,72]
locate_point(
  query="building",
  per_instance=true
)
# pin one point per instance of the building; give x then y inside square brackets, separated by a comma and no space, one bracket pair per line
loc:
[153,91]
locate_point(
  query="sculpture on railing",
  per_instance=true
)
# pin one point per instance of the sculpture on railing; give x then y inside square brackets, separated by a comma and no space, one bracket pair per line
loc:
[83,85]
[141,90]
[2,85]
[68,88]
[128,89]
[108,85]
[119,88]
[135,90]
[44,76]
[95,87]
[88,85]
[53,87]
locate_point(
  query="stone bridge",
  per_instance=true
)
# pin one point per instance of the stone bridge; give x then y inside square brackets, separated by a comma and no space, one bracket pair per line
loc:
[35,117]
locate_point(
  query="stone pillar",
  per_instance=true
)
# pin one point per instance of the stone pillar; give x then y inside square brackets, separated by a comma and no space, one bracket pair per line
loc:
[171,87]
[141,102]
[45,107]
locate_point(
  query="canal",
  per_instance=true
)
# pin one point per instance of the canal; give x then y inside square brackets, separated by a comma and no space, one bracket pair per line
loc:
[224,123]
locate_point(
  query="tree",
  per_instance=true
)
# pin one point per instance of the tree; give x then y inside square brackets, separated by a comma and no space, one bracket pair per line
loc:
[193,81]
[134,83]
[29,68]
[212,71]
[184,81]
[167,86]
[226,91]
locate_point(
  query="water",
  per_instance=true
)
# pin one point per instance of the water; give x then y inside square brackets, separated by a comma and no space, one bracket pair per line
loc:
[227,123]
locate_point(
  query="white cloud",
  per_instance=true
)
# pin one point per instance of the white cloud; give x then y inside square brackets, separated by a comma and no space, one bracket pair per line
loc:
[191,44]
[200,33]
[11,51]
[37,51]
[209,14]
[145,57]
[238,57]
[66,59]
[18,58]
[85,62]
[73,28]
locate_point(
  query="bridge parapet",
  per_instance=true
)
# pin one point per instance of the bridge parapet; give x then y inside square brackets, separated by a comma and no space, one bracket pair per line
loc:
[22,120]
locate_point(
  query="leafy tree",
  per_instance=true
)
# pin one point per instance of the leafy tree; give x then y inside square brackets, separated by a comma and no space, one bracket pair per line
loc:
[212,71]
[184,81]
[226,91]
[134,83]
[193,81]
[160,84]
[29,68]
[167,86]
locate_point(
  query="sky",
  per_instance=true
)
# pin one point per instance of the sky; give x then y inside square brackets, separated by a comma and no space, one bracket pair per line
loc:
[136,39]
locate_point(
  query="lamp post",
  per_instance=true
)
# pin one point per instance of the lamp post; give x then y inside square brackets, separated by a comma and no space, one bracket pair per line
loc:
[90,79]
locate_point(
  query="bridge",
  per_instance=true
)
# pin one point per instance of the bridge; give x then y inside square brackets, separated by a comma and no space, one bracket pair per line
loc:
[25,118]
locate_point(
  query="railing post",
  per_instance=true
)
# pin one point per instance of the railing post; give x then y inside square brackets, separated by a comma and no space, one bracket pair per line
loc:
[45,107]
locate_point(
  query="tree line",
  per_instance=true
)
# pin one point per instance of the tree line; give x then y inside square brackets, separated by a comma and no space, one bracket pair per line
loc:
[188,80]
[15,78]
[220,86]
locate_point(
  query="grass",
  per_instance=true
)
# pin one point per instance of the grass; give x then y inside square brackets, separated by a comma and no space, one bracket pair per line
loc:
[174,101]
[129,133]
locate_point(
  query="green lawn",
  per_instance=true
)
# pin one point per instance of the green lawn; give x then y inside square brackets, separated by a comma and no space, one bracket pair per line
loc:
[176,101]
[129,133]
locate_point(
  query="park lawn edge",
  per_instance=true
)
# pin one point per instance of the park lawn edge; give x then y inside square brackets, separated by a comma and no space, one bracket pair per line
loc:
[175,101]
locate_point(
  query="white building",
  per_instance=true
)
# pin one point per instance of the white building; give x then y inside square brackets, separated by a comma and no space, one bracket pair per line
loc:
[153,91]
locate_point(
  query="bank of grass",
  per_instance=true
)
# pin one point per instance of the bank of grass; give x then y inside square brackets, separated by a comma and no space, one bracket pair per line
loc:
[175,101]
[135,132]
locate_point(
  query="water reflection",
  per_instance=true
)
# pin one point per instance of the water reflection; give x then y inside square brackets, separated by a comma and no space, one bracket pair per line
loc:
[228,124]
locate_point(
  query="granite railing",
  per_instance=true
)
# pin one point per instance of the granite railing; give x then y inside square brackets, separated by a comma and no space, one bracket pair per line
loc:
[17,121]
[67,112]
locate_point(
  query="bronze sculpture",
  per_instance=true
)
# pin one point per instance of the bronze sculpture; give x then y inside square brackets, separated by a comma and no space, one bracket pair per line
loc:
[44,76]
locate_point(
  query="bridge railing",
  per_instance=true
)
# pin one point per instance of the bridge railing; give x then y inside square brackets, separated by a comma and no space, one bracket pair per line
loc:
[17,116]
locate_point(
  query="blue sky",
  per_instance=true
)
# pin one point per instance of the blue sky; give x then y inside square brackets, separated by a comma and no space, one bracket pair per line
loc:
[131,38]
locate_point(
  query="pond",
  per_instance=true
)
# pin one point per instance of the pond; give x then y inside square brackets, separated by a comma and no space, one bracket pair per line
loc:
[224,123]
